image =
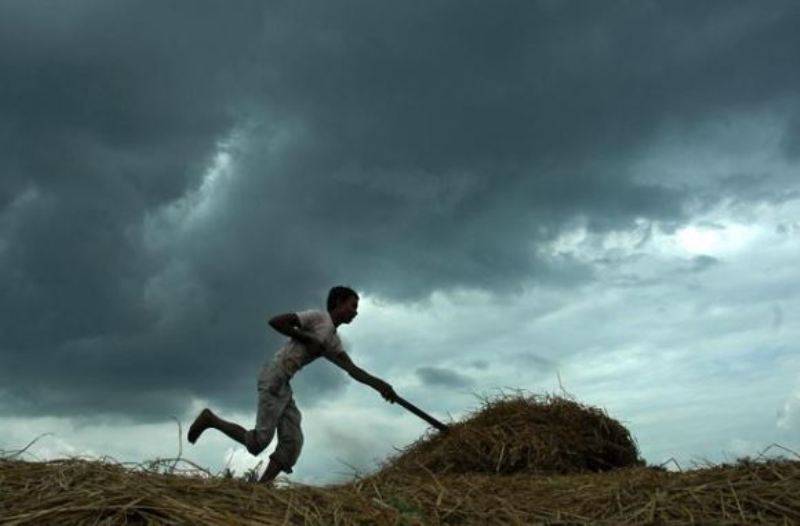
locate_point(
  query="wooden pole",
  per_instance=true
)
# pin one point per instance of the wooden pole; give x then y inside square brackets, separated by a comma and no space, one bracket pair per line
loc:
[422,414]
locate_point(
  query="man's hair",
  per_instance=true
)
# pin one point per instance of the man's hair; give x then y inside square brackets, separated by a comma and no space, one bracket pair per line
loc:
[339,294]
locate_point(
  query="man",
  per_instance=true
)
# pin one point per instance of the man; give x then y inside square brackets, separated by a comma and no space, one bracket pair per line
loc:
[312,333]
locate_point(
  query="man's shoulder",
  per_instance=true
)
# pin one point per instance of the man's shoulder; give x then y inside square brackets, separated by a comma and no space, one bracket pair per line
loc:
[308,313]
[313,316]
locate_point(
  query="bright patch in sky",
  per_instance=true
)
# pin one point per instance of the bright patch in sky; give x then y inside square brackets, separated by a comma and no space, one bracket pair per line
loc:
[698,240]
[717,239]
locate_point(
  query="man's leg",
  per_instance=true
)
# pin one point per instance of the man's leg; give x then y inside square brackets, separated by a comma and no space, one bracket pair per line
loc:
[290,442]
[273,468]
[208,419]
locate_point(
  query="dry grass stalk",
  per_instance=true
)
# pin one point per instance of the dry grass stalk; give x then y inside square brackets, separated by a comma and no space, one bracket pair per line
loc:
[80,491]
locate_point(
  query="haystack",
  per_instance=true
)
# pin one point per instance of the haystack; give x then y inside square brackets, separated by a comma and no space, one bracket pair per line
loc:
[533,434]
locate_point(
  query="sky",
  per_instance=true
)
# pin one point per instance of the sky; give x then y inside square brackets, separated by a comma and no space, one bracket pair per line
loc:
[600,199]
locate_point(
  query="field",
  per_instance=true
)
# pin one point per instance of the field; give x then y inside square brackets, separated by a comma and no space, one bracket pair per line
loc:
[518,460]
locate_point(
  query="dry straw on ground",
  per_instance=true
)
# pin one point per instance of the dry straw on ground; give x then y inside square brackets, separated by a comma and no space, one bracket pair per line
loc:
[525,434]
[532,485]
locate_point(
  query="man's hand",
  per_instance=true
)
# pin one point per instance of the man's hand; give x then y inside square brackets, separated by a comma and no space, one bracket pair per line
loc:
[386,391]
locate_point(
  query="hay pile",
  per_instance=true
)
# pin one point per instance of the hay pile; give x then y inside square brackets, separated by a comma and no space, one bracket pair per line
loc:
[761,491]
[534,434]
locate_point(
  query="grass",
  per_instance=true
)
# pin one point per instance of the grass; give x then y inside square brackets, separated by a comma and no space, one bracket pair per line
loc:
[425,484]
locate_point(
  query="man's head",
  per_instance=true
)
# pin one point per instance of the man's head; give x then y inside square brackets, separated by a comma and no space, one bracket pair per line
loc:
[342,304]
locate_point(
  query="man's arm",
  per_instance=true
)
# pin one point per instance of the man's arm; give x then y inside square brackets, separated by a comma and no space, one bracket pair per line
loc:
[359,374]
[289,325]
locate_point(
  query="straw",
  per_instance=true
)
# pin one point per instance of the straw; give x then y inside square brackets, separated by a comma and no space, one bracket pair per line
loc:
[516,480]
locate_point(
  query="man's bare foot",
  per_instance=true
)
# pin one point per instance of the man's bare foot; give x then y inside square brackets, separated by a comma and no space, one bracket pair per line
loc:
[200,424]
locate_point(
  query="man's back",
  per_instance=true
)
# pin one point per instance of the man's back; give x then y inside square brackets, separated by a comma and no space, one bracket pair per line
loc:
[295,355]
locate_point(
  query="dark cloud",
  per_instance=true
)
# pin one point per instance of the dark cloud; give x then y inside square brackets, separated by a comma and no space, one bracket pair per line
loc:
[401,148]
[438,376]
[536,362]
[788,229]
[748,188]
[479,364]
[703,262]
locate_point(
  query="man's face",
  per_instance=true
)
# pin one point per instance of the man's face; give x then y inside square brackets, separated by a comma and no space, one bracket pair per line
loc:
[349,309]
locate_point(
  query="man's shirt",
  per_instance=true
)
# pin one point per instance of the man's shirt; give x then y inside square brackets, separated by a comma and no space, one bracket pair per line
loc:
[294,355]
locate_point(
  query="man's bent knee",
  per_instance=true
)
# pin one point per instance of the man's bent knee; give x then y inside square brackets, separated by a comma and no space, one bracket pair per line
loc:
[253,444]
[255,449]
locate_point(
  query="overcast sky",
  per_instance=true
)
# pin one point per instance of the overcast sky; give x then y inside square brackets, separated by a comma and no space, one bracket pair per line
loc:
[606,193]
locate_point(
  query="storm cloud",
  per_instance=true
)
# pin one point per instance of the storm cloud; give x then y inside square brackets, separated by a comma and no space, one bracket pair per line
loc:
[438,376]
[173,174]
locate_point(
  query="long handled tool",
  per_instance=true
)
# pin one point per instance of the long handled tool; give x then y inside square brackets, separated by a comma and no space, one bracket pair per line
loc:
[422,414]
